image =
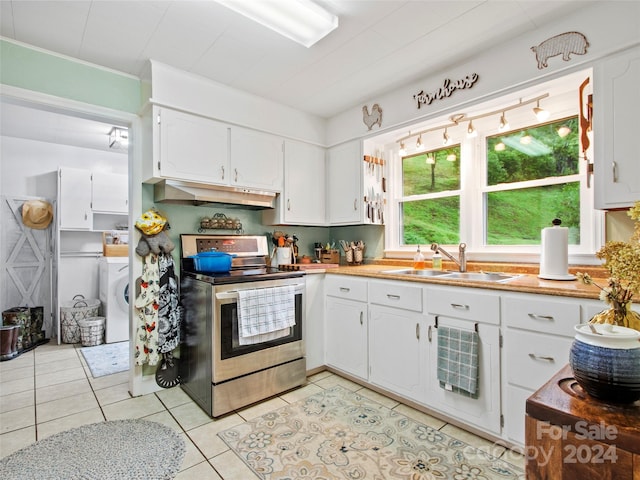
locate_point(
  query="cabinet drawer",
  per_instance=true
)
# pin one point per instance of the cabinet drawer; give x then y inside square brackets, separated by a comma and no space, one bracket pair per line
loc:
[465,303]
[542,314]
[533,358]
[396,294]
[346,287]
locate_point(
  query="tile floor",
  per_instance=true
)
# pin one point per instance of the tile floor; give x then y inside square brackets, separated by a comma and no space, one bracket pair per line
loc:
[51,389]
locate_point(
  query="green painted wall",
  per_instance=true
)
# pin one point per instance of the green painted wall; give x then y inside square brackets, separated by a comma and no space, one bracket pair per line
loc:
[35,70]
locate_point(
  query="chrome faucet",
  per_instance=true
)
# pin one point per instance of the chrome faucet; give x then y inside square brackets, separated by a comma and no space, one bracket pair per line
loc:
[462,255]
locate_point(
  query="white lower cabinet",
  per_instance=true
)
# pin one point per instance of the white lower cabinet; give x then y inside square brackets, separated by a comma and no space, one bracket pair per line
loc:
[482,410]
[538,332]
[386,333]
[346,325]
[398,357]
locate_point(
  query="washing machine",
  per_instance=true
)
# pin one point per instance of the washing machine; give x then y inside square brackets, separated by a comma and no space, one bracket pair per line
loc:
[114,295]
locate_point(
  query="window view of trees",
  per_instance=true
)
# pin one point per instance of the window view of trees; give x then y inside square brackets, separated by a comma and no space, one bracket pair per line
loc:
[531,177]
[518,211]
[427,220]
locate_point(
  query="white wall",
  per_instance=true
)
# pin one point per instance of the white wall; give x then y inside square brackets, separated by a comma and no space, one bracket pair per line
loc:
[29,167]
[608,26]
[183,90]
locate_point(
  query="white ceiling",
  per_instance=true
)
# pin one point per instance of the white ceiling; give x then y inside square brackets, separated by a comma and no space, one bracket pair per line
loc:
[379,46]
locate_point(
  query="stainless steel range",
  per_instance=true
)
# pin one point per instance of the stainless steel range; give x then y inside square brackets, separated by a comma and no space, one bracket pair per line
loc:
[218,372]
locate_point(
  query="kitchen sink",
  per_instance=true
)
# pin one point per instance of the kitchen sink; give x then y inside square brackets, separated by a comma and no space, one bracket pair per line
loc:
[417,273]
[447,274]
[481,276]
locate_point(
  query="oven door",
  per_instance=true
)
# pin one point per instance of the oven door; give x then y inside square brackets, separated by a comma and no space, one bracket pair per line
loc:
[230,359]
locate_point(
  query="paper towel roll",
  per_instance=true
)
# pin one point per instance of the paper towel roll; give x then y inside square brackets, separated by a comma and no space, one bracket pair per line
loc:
[554,257]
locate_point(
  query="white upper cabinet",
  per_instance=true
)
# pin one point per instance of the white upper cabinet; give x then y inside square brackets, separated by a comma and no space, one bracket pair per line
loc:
[256,159]
[190,148]
[110,193]
[616,101]
[74,199]
[344,186]
[302,201]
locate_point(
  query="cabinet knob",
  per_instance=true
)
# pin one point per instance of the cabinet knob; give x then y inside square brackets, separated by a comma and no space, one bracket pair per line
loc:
[614,168]
[418,331]
[222,169]
[288,204]
[535,316]
[355,204]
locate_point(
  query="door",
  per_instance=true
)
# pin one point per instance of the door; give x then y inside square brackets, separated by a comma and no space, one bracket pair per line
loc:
[304,184]
[346,335]
[26,268]
[74,197]
[344,190]
[398,355]
[256,159]
[191,148]
[483,411]
[110,193]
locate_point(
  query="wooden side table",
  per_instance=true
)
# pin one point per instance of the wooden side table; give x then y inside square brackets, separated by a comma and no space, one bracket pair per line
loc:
[570,435]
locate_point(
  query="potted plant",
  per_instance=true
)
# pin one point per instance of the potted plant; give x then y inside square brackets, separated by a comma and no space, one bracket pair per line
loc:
[622,260]
[605,354]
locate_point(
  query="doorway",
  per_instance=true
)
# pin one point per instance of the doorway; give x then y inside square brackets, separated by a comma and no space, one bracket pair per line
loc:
[38,140]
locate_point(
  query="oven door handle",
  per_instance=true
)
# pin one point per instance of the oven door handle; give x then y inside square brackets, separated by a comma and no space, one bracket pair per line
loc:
[233,294]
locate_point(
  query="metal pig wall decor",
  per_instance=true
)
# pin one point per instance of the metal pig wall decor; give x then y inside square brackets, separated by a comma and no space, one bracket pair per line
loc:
[565,44]
[370,119]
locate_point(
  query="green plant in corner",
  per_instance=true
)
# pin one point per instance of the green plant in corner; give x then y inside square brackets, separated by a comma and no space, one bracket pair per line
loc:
[622,260]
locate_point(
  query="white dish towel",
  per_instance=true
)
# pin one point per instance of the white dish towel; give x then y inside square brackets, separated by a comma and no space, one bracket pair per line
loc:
[265,313]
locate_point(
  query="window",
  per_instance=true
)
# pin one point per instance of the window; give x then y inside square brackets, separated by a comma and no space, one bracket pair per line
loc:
[532,178]
[430,209]
[495,191]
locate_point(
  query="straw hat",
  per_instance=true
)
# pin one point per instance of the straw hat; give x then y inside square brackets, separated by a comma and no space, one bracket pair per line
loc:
[37,214]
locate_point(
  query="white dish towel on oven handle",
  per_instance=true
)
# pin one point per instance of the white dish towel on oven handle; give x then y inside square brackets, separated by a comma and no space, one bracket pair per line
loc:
[265,313]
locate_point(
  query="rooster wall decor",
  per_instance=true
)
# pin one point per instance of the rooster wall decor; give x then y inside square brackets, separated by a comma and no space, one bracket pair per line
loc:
[370,119]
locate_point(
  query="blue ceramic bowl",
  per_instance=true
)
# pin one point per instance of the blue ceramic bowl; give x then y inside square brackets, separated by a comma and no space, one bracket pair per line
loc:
[607,368]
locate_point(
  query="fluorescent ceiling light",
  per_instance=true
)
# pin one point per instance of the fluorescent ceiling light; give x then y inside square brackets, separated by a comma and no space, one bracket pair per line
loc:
[299,20]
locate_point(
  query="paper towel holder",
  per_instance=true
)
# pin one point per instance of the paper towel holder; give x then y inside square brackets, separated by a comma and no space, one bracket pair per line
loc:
[550,254]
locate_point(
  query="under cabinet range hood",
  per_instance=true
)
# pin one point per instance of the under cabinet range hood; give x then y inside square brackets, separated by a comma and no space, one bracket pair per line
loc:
[187,193]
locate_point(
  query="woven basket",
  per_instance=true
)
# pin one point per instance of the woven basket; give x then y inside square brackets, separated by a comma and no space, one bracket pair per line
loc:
[72,312]
[92,331]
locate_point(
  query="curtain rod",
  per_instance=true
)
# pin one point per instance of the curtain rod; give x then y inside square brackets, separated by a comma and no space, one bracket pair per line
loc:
[461,117]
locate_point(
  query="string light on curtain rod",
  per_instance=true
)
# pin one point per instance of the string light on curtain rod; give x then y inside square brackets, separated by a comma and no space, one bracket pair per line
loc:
[419,144]
[403,151]
[446,140]
[451,157]
[430,160]
[504,123]
[540,113]
[458,118]
[471,130]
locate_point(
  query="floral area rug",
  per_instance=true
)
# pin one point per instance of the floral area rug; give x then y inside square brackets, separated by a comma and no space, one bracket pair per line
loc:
[107,358]
[338,434]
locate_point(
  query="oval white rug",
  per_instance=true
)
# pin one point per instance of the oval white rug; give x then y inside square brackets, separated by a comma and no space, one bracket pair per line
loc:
[119,449]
